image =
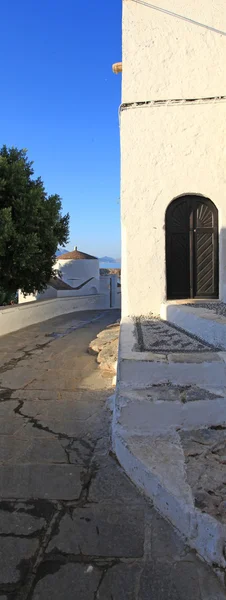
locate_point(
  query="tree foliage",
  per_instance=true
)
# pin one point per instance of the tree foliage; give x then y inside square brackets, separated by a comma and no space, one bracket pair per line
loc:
[31,225]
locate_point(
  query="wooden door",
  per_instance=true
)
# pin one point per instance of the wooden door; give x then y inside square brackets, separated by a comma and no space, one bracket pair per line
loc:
[192,248]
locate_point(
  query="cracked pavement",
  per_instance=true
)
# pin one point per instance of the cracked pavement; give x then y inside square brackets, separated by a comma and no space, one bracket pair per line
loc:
[72,526]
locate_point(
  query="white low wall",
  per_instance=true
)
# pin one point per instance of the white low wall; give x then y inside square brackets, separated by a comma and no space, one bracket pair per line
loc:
[77,293]
[105,284]
[198,321]
[118,300]
[23,315]
[92,287]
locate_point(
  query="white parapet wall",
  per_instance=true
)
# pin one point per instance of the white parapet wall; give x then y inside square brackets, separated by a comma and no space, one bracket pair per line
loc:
[88,288]
[13,318]
[48,294]
[197,320]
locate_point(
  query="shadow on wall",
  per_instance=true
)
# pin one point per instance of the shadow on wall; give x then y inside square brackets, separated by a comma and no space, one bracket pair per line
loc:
[77,271]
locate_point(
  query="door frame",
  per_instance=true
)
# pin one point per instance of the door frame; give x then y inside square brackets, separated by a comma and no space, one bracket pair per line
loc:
[192,243]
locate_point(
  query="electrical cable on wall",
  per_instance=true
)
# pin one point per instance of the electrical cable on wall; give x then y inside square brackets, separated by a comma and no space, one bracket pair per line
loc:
[172,14]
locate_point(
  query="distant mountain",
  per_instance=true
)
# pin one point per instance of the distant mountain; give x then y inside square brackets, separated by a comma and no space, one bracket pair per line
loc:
[61,251]
[109,259]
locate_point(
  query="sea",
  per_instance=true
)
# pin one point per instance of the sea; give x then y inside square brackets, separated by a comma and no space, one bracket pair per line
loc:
[110,265]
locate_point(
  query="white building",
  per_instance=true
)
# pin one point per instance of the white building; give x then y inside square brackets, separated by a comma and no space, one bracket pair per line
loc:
[78,268]
[77,274]
[173,152]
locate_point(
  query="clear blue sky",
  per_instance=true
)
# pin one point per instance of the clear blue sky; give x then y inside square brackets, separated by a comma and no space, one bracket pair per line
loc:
[59,99]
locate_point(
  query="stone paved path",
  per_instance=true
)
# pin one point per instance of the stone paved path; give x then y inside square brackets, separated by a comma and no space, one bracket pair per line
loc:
[72,526]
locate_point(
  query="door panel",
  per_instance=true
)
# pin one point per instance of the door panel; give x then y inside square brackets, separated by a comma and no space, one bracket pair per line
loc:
[178,266]
[204,265]
[203,215]
[179,216]
[178,250]
[205,260]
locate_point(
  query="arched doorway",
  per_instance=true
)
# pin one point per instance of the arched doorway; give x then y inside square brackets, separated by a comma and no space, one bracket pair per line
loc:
[192,248]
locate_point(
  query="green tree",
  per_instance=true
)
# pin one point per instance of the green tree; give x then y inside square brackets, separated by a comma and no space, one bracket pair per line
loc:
[31,225]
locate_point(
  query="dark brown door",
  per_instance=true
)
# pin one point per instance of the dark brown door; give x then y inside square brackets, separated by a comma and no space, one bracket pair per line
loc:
[192,248]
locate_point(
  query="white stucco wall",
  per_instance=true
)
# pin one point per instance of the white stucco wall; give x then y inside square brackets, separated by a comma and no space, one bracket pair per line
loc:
[20,316]
[92,287]
[49,293]
[73,272]
[168,150]
[185,152]
[165,57]
[28,298]
[76,272]
[105,284]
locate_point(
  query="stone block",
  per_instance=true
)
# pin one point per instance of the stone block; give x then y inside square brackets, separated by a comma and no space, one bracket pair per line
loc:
[20,523]
[194,357]
[110,531]
[31,450]
[68,582]
[13,553]
[40,481]
[112,485]
[121,582]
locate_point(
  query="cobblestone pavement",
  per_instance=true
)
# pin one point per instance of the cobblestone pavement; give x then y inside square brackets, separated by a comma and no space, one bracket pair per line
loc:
[219,308]
[159,336]
[72,526]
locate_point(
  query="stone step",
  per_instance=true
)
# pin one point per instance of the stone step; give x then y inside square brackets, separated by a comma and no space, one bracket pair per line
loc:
[152,351]
[177,368]
[169,429]
[144,416]
[156,464]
